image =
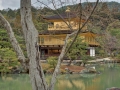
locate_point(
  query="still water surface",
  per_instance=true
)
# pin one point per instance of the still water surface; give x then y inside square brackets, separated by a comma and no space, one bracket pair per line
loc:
[109,77]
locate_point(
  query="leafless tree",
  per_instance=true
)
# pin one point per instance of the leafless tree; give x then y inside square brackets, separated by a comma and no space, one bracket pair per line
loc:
[108,43]
[31,38]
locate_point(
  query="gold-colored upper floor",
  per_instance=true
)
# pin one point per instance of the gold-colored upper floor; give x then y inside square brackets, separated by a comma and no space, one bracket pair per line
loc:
[60,25]
[59,39]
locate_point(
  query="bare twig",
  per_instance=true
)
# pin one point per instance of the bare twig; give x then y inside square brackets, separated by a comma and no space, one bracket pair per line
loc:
[63,53]
[78,31]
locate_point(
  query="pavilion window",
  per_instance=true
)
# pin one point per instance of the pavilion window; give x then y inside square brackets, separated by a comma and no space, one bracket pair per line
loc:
[51,25]
[42,40]
[57,25]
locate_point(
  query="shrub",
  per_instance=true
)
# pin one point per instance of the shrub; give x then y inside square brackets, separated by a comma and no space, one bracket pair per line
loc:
[52,61]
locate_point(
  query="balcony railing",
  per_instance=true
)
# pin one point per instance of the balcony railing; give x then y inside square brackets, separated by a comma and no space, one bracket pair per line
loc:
[52,27]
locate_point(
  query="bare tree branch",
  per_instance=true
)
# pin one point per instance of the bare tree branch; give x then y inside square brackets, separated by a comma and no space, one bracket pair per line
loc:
[63,53]
[78,31]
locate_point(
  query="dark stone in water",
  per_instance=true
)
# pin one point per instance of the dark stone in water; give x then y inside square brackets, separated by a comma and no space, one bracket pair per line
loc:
[113,88]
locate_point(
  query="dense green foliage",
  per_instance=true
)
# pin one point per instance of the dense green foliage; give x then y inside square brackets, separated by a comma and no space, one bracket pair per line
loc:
[8,58]
[52,61]
[4,41]
[78,49]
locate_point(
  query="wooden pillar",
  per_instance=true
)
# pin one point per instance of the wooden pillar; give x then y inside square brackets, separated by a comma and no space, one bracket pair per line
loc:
[48,51]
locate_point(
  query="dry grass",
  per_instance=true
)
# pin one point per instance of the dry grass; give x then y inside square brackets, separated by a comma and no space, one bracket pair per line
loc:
[45,66]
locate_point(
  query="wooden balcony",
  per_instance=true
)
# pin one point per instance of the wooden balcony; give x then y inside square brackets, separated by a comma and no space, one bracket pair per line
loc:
[52,39]
[61,28]
[64,26]
[59,39]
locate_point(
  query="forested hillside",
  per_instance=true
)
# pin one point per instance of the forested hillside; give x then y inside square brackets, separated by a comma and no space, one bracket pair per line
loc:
[13,16]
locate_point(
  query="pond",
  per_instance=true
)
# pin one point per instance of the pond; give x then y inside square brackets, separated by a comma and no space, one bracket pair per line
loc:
[109,77]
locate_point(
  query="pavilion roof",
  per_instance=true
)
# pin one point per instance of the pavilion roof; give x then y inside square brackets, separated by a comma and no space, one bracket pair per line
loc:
[65,15]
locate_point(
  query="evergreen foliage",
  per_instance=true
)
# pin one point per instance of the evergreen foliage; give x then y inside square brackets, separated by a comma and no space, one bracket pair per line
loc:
[52,61]
[8,58]
[78,49]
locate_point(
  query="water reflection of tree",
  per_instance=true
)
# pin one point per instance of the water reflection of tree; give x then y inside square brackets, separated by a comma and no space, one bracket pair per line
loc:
[89,83]
[75,87]
[70,82]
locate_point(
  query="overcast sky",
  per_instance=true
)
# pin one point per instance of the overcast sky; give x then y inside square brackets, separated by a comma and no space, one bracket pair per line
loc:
[15,4]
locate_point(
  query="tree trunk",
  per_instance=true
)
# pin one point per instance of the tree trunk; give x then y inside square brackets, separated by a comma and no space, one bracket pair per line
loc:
[57,69]
[31,39]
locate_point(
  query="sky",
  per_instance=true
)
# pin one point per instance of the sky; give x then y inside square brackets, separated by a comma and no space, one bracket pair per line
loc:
[15,4]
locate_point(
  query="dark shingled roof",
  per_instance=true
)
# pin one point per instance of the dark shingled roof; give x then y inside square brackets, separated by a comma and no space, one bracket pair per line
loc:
[63,15]
[52,32]
[47,32]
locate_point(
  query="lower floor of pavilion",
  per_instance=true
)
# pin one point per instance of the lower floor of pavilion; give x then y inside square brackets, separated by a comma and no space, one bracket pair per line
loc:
[55,50]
